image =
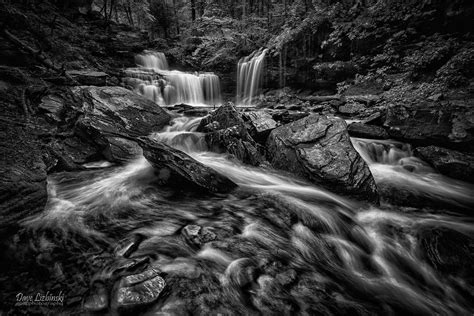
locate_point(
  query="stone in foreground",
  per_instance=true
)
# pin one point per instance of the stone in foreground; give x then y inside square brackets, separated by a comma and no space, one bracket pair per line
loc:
[177,168]
[319,149]
[138,290]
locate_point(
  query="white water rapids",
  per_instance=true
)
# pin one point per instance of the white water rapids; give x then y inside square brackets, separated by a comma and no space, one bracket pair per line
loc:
[344,253]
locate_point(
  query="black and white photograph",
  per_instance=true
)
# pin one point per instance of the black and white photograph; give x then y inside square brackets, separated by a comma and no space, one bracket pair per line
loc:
[236,157]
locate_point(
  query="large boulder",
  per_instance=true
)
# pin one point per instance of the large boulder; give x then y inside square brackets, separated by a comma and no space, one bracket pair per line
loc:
[227,132]
[176,168]
[318,148]
[449,162]
[113,114]
[122,109]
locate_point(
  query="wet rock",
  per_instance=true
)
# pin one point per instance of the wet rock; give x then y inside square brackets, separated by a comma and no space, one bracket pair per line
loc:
[351,108]
[237,142]
[69,154]
[98,299]
[227,132]
[367,131]
[121,150]
[128,246]
[318,148]
[123,266]
[178,169]
[264,298]
[261,124]
[285,117]
[53,106]
[198,235]
[373,119]
[425,123]
[368,99]
[224,117]
[287,277]
[118,110]
[89,77]
[60,159]
[449,162]
[447,250]
[139,290]
[241,272]
[113,112]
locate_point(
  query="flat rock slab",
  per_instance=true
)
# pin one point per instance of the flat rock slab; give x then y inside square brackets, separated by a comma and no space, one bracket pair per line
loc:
[89,77]
[367,131]
[261,123]
[123,108]
[319,149]
[179,169]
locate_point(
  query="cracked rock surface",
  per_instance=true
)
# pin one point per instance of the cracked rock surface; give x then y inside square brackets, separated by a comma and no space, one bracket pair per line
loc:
[319,149]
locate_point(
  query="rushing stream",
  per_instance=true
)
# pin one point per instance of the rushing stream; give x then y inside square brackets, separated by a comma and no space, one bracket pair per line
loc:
[277,245]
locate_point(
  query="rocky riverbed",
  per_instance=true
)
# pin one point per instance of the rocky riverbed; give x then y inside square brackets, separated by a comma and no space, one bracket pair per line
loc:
[355,201]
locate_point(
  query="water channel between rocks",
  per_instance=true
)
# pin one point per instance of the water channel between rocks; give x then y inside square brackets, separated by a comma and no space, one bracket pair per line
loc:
[276,244]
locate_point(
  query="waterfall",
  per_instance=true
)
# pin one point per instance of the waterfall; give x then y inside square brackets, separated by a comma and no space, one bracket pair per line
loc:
[152,60]
[249,77]
[155,81]
[395,168]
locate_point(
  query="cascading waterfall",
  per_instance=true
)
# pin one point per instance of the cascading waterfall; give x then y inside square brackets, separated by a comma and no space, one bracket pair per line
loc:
[273,230]
[394,167]
[155,81]
[152,60]
[249,77]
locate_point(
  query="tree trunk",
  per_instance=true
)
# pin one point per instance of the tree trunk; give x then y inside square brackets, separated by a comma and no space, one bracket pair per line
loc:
[193,10]
[176,17]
